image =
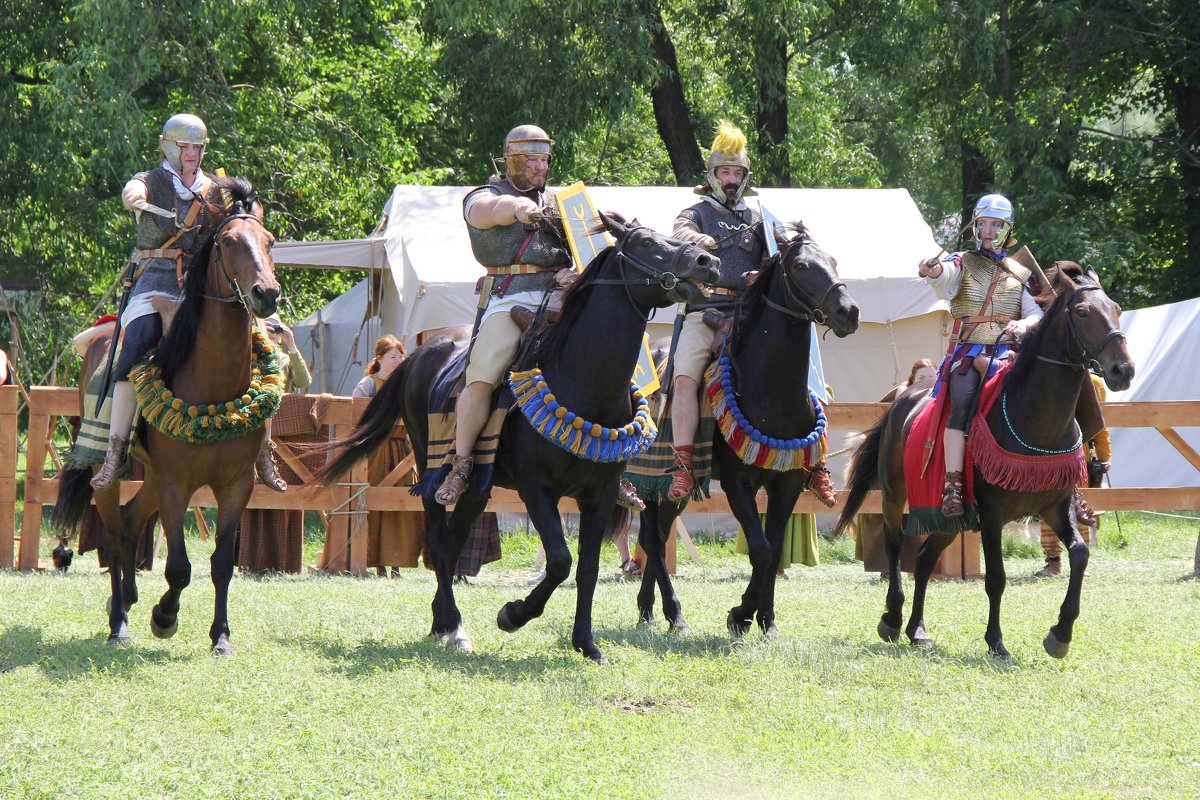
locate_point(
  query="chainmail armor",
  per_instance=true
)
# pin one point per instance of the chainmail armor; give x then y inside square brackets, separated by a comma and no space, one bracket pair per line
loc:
[153,231]
[498,246]
[739,244]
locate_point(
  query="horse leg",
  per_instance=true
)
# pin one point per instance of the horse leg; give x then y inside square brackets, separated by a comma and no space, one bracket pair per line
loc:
[993,584]
[542,506]
[592,518]
[164,617]
[115,546]
[763,560]
[926,561]
[447,624]
[780,503]
[231,502]
[1058,640]
[651,540]
[893,614]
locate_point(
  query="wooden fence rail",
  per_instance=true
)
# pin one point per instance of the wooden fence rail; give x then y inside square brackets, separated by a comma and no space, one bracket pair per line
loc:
[347,503]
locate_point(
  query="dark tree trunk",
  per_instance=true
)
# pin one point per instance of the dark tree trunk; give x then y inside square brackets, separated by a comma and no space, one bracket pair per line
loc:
[670,105]
[977,177]
[1184,279]
[771,111]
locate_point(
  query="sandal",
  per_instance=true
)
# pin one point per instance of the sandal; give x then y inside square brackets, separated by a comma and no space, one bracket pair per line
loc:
[456,482]
[952,495]
[630,569]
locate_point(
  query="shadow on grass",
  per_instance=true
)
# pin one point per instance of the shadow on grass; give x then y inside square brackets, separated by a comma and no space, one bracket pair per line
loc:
[24,646]
[660,640]
[371,657]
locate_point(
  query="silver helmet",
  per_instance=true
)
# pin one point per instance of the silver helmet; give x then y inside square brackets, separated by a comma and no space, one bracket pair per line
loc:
[182,129]
[522,142]
[995,206]
[728,150]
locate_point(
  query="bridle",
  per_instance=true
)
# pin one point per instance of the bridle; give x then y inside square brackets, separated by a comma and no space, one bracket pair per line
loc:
[1088,358]
[794,305]
[231,282]
[667,280]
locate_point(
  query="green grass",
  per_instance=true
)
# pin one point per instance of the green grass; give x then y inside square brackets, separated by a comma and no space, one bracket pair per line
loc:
[338,692]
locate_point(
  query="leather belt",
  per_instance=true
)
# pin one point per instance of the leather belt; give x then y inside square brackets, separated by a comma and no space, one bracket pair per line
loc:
[521,269]
[724,291]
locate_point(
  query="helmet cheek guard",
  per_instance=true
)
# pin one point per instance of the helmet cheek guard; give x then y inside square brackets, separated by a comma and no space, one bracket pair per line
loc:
[522,142]
[996,206]
[182,129]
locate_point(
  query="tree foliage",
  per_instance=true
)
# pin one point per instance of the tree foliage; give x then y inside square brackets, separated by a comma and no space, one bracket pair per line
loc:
[1086,112]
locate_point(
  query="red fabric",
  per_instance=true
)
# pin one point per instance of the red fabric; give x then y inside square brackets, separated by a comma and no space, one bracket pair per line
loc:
[1023,473]
[104,320]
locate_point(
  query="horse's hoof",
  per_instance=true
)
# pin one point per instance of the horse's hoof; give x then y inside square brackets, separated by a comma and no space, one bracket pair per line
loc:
[504,619]
[222,648]
[680,627]
[120,640]
[1000,654]
[159,626]
[887,632]
[1054,647]
[737,627]
[920,639]
[457,639]
[593,653]
[771,632]
[646,619]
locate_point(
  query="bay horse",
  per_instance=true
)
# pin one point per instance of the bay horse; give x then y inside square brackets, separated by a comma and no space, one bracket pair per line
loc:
[768,351]
[587,358]
[1080,331]
[206,357]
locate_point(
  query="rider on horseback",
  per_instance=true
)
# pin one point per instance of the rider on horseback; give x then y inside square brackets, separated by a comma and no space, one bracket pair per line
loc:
[526,258]
[993,310]
[722,223]
[171,224]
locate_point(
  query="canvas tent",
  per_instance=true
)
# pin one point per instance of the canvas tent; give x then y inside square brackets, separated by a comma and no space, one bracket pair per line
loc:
[1165,344]
[421,248]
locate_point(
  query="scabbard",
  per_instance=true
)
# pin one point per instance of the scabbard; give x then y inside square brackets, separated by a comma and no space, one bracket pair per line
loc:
[669,373]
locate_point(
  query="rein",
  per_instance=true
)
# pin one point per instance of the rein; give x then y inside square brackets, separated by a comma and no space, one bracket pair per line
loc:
[231,283]
[669,281]
[1088,358]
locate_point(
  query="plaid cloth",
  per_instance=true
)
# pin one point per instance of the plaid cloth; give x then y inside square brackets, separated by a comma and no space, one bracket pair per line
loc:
[482,546]
[439,456]
[650,474]
[91,444]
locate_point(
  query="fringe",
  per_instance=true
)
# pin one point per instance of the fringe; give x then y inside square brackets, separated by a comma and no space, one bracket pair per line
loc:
[923,521]
[587,440]
[1024,473]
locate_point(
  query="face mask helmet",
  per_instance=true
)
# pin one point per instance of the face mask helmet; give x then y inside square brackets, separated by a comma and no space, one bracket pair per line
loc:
[522,142]
[996,206]
[182,129]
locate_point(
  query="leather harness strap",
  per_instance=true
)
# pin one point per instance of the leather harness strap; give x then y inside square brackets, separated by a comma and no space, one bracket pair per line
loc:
[166,251]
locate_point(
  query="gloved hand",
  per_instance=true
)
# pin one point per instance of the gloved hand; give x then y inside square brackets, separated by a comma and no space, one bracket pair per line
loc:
[1096,469]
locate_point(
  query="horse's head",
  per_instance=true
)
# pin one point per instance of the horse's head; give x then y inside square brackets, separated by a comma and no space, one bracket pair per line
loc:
[665,270]
[1092,318]
[811,285]
[241,256]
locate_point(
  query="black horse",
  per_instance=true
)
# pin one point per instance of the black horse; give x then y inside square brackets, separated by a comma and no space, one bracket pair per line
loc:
[586,359]
[1039,394]
[768,351]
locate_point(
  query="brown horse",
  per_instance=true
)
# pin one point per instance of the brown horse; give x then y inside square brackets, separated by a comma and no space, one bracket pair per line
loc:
[206,358]
[1037,416]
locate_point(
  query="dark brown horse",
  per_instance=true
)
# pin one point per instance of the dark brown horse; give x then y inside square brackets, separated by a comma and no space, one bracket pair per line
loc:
[768,354]
[206,359]
[1037,416]
[587,359]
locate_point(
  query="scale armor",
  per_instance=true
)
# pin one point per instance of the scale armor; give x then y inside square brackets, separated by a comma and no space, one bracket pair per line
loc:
[498,246]
[977,272]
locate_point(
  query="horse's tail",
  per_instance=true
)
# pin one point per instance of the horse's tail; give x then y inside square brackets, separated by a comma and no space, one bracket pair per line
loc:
[372,430]
[864,473]
[74,497]
[619,520]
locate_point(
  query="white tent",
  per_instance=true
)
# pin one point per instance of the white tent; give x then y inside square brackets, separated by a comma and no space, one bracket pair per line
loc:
[1165,344]
[430,274]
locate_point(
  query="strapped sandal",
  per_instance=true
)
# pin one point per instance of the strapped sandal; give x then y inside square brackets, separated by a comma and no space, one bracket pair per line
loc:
[264,468]
[953,504]
[820,484]
[630,569]
[683,481]
[1084,514]
[627,496]
[456,482]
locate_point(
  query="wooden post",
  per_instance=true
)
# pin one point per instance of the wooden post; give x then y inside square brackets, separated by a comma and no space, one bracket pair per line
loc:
[35,465]
[8,473]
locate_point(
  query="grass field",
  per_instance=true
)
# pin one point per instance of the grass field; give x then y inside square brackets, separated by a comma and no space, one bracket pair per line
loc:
[337,692]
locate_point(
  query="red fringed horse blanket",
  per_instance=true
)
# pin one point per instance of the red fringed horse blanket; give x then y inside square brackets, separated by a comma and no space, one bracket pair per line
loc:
[925,464]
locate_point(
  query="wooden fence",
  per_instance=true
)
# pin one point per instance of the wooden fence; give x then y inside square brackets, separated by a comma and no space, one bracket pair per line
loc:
[346,504]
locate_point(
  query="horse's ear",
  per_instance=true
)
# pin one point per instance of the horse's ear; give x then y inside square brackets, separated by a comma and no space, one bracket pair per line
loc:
[256,209]
[614,222]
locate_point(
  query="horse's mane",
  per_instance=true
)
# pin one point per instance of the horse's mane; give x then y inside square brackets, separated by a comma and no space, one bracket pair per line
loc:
[750,303]
[177,345]
[574,301]
[1071,275]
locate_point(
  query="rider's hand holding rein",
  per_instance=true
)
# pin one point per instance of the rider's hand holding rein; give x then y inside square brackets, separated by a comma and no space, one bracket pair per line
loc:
[495,211]
[1019,328]
[930,268]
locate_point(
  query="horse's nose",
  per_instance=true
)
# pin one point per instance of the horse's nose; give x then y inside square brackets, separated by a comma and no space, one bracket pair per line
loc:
[845,319]
[1119,375]
[265,299]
